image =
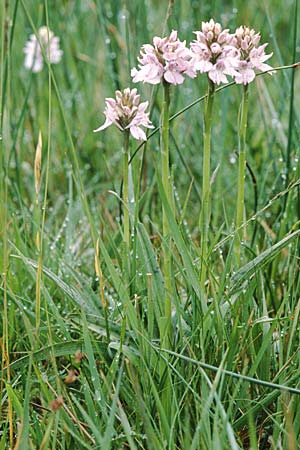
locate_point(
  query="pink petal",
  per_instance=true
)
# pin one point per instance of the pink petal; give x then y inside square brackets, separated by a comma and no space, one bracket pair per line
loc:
[203,66]
[173,77]
[245,76]
[217,76]
[106,124]
[265,68]
[138,133]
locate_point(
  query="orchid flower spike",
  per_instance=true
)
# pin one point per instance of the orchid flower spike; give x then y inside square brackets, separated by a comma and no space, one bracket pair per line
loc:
[168,59]
[214,52]
[252,56]
[127,113]
[33,54]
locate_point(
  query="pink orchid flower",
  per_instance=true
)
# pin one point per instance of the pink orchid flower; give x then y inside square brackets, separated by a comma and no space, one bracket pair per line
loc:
[127,113]
[214,52]
[252,56]
[167,59]
[34,59]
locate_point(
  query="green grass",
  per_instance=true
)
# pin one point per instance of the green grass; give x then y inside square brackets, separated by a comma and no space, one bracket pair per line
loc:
[229,378]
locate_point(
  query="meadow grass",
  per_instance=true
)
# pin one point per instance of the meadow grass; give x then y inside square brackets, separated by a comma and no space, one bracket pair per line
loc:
[85,362]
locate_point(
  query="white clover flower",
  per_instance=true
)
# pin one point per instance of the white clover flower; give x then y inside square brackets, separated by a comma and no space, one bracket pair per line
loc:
[127,113]
[34,59]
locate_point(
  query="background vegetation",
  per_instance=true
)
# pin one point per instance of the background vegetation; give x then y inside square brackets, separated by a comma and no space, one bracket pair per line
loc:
[82,365]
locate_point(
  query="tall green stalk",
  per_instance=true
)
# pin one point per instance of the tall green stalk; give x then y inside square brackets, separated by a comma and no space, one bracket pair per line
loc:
[241,175]
[165,320]
[165,116]
[126,226]
[206,191]
[5,142]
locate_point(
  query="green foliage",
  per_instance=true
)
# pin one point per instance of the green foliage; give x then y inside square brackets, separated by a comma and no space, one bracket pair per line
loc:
[83,365]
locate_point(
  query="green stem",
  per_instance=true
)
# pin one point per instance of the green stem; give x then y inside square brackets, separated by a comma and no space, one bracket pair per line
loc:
[165,116]
[126,223]
[165,320]
[126,233]
[205,210]
[241,175]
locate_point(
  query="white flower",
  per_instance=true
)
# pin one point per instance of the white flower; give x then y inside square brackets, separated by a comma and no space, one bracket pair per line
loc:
[33,54]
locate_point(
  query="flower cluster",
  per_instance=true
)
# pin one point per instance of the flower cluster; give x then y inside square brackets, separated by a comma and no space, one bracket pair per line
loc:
[214,52]
[127,113]
[167,59]
[33,53]
[251,56]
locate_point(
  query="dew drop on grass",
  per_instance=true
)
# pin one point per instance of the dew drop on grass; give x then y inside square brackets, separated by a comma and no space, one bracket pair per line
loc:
[232,158]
